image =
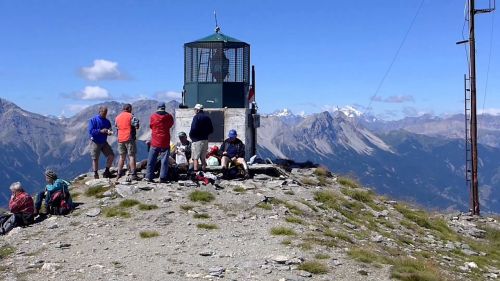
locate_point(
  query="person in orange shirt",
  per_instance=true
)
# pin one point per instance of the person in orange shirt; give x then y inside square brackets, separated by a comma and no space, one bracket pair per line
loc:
[127,125]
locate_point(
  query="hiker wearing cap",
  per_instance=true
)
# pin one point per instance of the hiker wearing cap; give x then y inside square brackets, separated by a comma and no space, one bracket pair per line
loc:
[99,129]
[201,128]
[21,207]
[232,151]
[182,152]
[160,123]
[56,190]
[127,125]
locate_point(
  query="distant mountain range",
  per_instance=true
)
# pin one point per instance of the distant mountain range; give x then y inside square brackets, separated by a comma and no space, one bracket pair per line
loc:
[418,159]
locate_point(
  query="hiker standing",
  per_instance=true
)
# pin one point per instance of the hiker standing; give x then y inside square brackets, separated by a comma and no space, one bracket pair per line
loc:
[21,207]
[232,151]
[99,129]
[160,124]
[127,125]
[201,128]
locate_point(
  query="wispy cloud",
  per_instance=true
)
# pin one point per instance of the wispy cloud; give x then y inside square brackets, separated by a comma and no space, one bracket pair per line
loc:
[491,111]
[102,70]
[393,99]
[169,95]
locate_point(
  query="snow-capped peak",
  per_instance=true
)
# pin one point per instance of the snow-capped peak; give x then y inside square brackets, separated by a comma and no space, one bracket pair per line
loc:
[350,111]
[283,113]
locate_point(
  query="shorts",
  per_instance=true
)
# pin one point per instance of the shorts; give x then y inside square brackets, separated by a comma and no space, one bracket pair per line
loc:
[96,148]
[199,149]
[128,147]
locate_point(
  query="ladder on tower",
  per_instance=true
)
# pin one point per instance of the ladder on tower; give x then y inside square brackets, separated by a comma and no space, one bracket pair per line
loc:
[468,138]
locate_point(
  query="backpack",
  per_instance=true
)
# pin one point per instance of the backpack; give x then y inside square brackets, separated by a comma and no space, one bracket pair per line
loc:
[60,202]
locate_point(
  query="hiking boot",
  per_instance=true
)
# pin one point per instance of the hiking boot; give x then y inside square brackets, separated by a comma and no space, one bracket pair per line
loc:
[134,177]
[96,175]
[247,175]
[106,174]
[164,181]
[148,180]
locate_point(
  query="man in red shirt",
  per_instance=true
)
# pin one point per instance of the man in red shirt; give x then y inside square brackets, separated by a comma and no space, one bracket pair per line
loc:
[160,124]
[21,206]
[127,125]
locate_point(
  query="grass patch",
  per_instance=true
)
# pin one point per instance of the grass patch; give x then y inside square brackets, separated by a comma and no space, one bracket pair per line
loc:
[239,189]
[313,267]
[305,246]
[75,195]
[6,251]
[339,235]
[322,181]
[289,192]
[358,195]
[296,220]
[407,269]
[322,172]
[201,196]
[127,203]
[147,207]
[348,182]
[281,230]
[201,216]
[148,234]
[208,226]
[365,256]
[187,207]
[418,217]
[264,206]
[308,204]
[293,209]
[328,198]
[112,212]
[308,181]
[96,191]
[321,256]
[286,242]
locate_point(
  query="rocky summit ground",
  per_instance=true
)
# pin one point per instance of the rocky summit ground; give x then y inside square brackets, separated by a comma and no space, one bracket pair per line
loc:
[304,225]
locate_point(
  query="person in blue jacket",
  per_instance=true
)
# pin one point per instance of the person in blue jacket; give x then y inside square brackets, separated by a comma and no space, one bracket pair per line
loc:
[54,185]
[99,129]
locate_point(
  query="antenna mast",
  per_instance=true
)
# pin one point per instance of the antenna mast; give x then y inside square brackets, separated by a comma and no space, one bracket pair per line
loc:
[474,200]
[217,27]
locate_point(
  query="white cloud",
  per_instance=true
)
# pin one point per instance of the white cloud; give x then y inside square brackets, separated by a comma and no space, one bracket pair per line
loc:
[169,95]
[93,93]
[102,70]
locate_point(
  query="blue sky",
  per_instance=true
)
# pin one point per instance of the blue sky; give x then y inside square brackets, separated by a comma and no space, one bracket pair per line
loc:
[57,56]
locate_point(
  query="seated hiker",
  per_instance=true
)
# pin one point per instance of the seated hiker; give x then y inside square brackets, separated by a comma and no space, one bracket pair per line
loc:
[21,208]
[232,151]
[182,152]
[57,197]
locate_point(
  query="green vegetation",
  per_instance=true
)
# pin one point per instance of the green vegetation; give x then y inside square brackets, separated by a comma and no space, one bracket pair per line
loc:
[148,234]
[286,242]
[365,256]
[74,195]
[313,267]
[322,172]
[308,204]
[187,207]
[296,220]
[308,181]
[408,269]
[281,230]
[289,192]
[239,189]
[6,251]
[208,226]
[321,256]
[96,191]
[264,206]
[348,182]
[322,181]
[116,211]
[358,195]
[201,216]
[327,197]
[147,207]
[201,196]
[127,203]
[339,235]
[306,246]
[418,217]
[293,209]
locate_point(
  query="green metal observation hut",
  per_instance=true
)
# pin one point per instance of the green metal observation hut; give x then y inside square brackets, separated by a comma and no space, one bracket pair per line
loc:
[216,72]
